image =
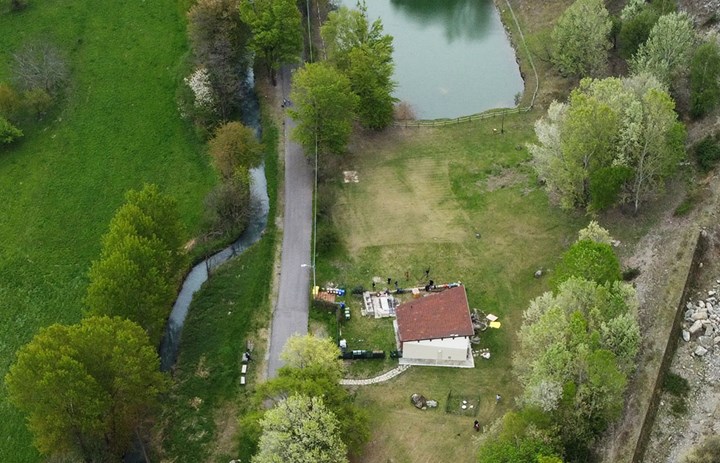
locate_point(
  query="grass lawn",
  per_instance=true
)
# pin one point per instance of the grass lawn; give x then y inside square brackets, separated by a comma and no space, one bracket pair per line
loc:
[117,129]
[464,202]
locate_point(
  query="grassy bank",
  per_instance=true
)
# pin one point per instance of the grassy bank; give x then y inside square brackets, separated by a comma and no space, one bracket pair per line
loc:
[117,128]
[463,201]
[200,414]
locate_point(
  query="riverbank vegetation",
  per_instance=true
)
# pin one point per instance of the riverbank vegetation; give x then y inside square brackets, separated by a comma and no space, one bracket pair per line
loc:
[115,128]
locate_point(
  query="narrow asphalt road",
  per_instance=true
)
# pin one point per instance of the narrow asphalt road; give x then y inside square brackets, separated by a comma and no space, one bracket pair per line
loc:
[291,313]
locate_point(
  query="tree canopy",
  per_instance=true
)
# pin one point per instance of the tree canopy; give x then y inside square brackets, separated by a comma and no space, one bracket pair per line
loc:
[590,260]
[232,146]
[324,108]
[301,430]
[668,49]
[310,351]
[86,387]
[581,38]
[138,268]
[276,32]
[624,132]
[363,52]
[705,78]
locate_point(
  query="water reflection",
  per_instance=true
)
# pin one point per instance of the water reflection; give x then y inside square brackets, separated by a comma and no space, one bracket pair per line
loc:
[460,19]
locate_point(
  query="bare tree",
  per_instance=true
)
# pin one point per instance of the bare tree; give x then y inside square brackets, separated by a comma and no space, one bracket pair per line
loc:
[40,65]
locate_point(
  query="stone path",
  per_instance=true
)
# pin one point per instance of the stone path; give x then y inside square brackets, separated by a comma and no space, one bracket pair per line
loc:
[378,379]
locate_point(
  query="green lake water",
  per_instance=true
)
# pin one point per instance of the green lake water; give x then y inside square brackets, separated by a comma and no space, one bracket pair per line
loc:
[452,57]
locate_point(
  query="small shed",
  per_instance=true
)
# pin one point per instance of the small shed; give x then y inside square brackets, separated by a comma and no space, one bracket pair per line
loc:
[436,330]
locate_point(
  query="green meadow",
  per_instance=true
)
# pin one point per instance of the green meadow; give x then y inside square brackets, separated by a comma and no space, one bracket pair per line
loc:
[116,127]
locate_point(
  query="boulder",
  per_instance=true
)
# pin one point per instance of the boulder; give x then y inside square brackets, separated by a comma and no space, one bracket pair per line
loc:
[711,293]
[695,327]
[418,400]
[432,403]
[686,335]
[709,330]
[538,273]
[705,341]
[700,351]
[690,305]
[700,315]
[716,340]
[688,314]
[701,304]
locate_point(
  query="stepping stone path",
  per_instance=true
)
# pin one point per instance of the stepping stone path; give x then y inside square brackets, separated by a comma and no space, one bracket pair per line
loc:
[378,379]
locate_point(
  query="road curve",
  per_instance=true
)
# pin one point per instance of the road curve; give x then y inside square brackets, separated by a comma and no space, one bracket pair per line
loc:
[291,312]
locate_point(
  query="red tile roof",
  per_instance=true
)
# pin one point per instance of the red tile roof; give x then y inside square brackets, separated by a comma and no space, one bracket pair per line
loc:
[437,315]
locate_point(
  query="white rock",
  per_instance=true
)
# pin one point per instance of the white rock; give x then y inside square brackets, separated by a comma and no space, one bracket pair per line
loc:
[695,327]
[701,304]
[700,315]
[689,305]
[700,351]
[711,293]
[685,335]
[716,340]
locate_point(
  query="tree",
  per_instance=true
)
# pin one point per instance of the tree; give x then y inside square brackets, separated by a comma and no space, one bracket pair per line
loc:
[86,387]
[652,140]
[8,132]
[705,79]
[228,205]
[130,281]
[219,40]
[313,369]
[324,108]
[668,49]
[363,52]
[590,260]
[40,65]
[636,28]
[9,101]
[300,429]
[139,263]
[613,136]
[276,32]
[234,145]
[580,38]
[309,351]
[577,348]
[523,450]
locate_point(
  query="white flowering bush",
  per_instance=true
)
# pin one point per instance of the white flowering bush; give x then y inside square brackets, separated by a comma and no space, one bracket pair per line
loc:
[199,83]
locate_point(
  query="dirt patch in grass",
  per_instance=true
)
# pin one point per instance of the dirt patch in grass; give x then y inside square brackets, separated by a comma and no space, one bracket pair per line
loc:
[506,178]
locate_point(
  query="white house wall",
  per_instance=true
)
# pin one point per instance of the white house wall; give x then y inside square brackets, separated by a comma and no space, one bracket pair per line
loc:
[441,350]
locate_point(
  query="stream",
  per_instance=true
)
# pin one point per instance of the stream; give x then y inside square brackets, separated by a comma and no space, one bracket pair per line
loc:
[200,272]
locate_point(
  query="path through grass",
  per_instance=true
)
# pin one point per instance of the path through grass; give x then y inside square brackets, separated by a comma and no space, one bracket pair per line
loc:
[117,129]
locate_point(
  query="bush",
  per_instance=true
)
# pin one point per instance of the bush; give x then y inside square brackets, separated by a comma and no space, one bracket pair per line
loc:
[676,385]
[635,31]
[234,146]
[40,65]
[707,452]
[37,102]
[707,153]
[589,260]
[9,102]
[8,132]
[630,274]
[705,79]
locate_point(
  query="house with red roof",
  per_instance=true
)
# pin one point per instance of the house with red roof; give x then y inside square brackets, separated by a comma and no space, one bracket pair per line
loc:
[436,330]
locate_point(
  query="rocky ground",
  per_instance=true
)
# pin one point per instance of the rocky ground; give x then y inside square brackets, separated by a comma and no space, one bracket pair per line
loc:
[697,359]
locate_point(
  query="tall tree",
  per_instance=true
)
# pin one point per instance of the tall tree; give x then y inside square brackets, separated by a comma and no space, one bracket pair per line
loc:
[312,352]
[324,108]
[581,38]
[130,281]
[234,145]
[363,52]
[276,32]
[139,264]
[300,429]
[668,49]
[86,387]
[705,78]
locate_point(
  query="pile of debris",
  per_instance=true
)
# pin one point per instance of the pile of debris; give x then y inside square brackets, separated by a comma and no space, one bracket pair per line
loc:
[701,322]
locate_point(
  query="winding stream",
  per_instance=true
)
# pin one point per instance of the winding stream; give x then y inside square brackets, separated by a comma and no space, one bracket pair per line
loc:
[199,273]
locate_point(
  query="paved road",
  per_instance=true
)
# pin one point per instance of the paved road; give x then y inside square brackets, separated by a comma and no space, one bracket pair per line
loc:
[291,312]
